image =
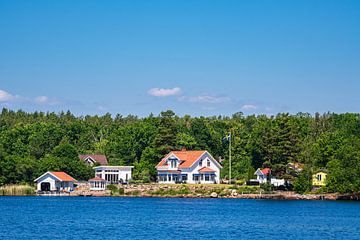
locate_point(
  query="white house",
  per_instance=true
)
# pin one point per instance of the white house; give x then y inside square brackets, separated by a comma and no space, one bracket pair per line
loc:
[97,184]
[114,174]
[55,182]
[91,159]
[262,176]
[188,167]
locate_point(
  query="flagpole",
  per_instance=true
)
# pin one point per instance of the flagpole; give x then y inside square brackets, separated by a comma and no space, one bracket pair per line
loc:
[230,159]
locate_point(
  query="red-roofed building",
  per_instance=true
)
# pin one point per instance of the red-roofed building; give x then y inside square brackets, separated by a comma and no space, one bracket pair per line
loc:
[188,167]
[264,176]
[97,184]
[91,159]
[55,182]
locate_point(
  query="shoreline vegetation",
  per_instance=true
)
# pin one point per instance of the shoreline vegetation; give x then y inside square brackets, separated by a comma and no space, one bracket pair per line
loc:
[293,146]
[185,191]
[17,190]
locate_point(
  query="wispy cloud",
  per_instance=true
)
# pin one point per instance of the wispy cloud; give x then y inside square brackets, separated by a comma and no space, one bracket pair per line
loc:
[205,99]
[44,100]
[5,96]
[101,108]
[8,98]
[164,92]
[249,107]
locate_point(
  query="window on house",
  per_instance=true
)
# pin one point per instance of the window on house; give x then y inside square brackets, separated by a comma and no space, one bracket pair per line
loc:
[208,163]
[200,163]
[196,178]
[319,177]
[207,177]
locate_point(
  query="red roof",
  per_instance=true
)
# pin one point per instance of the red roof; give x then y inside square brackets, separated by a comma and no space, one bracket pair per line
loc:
[187,157]
[206,169]
[63,176]
[97,179]
[265,171]
[101,159]
[171,171]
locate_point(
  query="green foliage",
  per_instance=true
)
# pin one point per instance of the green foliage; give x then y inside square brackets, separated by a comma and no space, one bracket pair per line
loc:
[32,143]
[115,190]
[111,187]
[267,187]
[303,183]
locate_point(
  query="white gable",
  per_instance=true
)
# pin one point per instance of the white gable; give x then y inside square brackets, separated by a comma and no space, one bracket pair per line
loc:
[47,177]
[90,160]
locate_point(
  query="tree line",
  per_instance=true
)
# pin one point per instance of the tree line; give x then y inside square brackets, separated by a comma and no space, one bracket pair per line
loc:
[33,143]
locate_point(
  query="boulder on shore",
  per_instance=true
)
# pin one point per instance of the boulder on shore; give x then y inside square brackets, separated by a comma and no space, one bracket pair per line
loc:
[214,195]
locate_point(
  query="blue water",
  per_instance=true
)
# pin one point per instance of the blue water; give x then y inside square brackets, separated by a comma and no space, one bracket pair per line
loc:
[160,218]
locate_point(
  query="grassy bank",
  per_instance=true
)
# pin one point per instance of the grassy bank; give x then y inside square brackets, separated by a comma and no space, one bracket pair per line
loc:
[17,190]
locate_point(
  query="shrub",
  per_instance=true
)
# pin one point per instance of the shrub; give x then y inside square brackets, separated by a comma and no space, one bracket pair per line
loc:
[121,191]
[111,187]
[267,187]
[302,183]
[240,182]
[114,189]
[134,193]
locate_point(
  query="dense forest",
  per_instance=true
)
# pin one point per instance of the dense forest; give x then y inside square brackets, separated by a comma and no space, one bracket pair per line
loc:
[32,143]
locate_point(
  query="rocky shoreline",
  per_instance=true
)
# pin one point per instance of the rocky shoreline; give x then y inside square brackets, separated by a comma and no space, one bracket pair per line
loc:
[208,191]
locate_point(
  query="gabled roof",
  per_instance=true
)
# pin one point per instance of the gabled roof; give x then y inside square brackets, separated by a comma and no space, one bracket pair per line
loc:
[99,158]
[264,171]
[206,169]
[62,176]
[97,179]
[187,158]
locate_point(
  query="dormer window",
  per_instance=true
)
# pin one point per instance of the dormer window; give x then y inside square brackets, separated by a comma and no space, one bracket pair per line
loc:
[173,162]
[208,162]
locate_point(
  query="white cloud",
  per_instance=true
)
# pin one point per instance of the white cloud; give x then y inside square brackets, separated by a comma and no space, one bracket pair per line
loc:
[164,92]
[8,98]
[41,99]
[205,99]
[44,100]
[248,107]
[101,108]
[5,96]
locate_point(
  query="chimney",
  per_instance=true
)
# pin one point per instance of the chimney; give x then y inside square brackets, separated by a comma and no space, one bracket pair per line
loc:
[183,149]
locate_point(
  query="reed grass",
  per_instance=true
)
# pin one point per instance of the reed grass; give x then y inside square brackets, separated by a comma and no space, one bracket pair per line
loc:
[17,190]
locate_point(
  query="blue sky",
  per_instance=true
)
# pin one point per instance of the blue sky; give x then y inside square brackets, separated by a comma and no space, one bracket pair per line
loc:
[194,57]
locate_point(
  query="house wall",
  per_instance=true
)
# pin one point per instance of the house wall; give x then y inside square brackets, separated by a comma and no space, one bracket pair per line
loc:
[123,172]
[319,182]
[55,184]
[97,185]
[261,178]
[195,170]
[47,178]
